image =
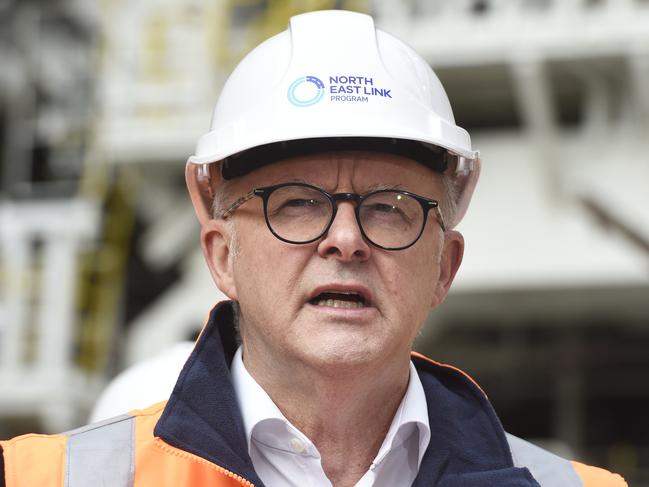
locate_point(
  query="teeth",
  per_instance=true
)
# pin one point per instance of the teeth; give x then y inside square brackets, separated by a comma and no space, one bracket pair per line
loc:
[337,303]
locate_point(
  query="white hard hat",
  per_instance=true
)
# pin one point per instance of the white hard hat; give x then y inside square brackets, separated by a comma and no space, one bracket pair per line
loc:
[331,81]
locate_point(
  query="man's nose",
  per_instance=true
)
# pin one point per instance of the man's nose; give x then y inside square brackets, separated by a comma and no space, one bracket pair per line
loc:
[344,239]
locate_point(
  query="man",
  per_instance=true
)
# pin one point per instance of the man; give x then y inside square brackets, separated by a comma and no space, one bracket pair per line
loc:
[327,189]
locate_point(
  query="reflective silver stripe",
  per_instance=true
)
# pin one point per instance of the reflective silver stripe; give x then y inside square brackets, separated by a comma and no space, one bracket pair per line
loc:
[101,454]
[548,469]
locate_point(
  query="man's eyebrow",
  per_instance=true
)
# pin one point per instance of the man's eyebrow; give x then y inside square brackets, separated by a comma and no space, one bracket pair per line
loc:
[368,189]
[381,186]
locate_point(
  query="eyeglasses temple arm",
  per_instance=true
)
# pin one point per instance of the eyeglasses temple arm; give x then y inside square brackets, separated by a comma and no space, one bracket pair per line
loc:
[240,201]
[440,219]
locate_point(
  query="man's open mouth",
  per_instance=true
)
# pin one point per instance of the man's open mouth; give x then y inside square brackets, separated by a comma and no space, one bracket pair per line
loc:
[339,299]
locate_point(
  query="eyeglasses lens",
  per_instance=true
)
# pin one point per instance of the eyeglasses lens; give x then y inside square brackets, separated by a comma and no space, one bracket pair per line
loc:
[391,219]
[298,213]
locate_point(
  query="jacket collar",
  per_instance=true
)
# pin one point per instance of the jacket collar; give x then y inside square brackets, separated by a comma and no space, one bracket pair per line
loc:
[467,446]
[202,416]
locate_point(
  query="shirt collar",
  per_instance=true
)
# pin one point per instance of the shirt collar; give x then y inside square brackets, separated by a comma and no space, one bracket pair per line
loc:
[262,419]
[411,413]
[264,422]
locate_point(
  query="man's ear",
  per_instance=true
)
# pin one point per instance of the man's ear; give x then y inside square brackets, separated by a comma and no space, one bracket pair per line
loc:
[451,258]
[216,242]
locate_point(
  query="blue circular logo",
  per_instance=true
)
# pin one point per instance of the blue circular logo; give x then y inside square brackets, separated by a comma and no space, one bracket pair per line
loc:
[302,95]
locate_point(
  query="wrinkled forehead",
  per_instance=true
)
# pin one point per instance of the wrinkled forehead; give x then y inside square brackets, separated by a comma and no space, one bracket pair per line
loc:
[348,170]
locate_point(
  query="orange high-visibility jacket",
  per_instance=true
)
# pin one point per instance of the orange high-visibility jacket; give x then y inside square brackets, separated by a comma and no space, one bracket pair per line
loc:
[197,437]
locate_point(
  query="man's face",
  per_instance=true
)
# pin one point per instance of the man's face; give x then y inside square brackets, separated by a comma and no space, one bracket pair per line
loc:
[284,290]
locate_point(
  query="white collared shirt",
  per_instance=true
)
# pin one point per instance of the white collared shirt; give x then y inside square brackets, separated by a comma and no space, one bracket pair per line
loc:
[283,456]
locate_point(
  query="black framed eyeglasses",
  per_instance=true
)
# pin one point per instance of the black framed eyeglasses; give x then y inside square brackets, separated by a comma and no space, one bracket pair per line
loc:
[299,213]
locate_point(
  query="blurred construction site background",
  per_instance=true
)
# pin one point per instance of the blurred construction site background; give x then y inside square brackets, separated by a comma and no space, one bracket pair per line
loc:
[102,101]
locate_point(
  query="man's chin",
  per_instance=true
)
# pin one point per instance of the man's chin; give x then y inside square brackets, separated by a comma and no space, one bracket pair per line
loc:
[341,355]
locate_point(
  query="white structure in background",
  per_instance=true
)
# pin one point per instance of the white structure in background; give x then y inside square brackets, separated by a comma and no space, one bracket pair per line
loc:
[46,54]
[161,72]
[160,65]
[39,247]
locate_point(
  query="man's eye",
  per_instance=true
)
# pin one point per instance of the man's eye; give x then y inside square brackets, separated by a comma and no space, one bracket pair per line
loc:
[299,206]
[385,213]
[301,203]
[385,208]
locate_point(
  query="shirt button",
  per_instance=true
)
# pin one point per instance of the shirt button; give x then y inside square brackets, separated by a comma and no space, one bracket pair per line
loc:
[297,445]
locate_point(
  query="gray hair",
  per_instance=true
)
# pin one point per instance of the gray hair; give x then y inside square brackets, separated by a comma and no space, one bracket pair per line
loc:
[221,197]
[448,205]
[220,203]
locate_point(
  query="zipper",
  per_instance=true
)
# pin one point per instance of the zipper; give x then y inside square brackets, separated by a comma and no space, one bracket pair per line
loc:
[181,453]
